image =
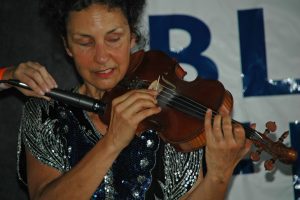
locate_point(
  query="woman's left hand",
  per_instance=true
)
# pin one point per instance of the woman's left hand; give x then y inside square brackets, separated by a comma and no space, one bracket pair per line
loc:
[226,145]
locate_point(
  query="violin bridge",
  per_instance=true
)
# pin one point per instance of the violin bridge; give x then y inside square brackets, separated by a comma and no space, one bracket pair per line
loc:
[155,85]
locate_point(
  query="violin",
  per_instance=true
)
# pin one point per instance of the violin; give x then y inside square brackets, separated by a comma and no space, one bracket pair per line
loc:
[184,104]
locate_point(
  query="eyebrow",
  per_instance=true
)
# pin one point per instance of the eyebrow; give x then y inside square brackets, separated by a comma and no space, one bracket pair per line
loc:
[113,30]
[81,35]
[86,35]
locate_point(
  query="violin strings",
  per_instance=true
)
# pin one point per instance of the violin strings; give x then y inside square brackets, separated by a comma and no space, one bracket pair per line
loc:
[189,106]
[195,112]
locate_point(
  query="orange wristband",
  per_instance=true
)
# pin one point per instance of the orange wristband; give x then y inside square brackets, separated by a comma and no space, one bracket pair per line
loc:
[2,70]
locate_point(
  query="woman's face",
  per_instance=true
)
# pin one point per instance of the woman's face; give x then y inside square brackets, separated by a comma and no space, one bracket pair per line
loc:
[99,40]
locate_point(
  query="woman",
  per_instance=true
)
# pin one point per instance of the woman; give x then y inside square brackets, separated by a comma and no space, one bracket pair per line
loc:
[72,154]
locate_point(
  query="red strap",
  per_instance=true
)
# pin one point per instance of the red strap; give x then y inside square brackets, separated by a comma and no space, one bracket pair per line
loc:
[2,70]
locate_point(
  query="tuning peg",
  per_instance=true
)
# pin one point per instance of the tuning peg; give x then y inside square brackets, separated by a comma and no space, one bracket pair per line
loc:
[269,164]
[283,136]
[271,126]
[255,156]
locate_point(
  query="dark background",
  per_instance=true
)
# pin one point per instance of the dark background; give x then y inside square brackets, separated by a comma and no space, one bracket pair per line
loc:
[24,36]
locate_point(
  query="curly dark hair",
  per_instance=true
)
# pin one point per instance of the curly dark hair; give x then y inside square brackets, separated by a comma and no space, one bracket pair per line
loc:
[56,12]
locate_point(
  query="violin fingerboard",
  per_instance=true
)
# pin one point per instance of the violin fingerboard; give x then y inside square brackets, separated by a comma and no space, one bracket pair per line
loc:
[134,83]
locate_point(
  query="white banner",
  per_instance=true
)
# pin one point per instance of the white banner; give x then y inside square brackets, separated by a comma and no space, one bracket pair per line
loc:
[253,48]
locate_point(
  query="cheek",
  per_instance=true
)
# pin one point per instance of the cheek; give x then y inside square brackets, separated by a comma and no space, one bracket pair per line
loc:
[123,61]
[82,58]
[82,61]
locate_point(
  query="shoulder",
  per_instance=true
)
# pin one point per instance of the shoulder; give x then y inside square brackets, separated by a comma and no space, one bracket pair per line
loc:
[35,105]
[39,109]
[42,132]
[43,119]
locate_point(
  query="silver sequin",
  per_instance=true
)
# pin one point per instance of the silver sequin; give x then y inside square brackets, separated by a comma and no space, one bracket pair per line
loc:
[150,143]
[181,172]
[144,163]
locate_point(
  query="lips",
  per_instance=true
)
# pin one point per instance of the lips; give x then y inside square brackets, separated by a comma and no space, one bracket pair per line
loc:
[105,73]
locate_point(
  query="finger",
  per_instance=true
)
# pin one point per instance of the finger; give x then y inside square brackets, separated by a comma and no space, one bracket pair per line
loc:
[246,148]
[141,104]
[130,97]
[217,128]
[41,76]
[208,126]
[27,73]
[130,110]
[248,145]
[223,111]
[227,128]
[144,113]
[32,85]
[54,82]
[46,76]
[239,134]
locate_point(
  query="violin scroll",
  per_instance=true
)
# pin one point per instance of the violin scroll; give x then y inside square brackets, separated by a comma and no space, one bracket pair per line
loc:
[277,149]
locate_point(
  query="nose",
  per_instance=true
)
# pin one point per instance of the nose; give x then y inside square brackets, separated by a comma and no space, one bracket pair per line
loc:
[101,55]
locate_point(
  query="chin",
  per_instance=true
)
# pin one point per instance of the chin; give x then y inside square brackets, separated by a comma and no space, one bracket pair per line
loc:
[105,86]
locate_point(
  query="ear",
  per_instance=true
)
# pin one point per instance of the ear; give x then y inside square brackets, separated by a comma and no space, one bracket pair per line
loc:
[66,46]
[132,41]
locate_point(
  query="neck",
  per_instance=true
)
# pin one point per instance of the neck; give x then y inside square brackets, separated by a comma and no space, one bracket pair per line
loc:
[91,91]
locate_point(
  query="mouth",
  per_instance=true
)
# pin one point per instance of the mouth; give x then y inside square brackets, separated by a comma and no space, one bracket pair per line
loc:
[105,73]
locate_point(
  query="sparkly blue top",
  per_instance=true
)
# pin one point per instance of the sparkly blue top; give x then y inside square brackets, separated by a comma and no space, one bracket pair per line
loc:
[59,136]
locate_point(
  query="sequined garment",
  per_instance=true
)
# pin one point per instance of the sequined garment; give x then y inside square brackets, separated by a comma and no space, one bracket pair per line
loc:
[59,136]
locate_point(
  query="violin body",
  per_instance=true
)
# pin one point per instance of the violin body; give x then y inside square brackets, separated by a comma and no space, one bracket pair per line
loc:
[185,131]
[184,104]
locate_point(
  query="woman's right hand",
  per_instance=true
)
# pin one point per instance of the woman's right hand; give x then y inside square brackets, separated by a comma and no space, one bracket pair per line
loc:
[127,112]
[34,75]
